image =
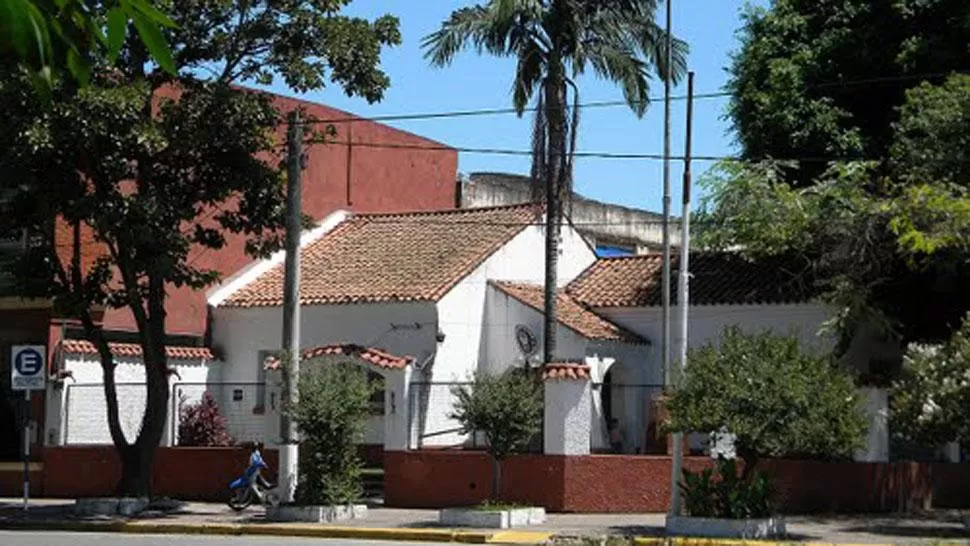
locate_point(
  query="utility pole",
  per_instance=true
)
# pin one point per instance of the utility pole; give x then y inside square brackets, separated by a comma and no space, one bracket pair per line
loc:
[289,446]
[683,298]
[665,283]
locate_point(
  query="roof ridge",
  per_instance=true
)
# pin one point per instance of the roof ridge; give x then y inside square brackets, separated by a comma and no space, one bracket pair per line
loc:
[446,212]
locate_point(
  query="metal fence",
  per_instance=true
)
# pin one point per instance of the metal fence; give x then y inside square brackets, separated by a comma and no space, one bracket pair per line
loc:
[85,409]
[633,408]
[430,426]
[242,404]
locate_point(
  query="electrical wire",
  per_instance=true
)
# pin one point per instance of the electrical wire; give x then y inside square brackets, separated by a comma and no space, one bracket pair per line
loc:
[614,103]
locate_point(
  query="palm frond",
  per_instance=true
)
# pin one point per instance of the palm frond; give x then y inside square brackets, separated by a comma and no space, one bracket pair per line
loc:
[528,75]
[619,63]
[540,152]
[499,28]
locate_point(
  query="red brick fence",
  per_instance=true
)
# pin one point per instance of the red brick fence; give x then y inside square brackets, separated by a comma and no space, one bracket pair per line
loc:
[596,483]
[608,483]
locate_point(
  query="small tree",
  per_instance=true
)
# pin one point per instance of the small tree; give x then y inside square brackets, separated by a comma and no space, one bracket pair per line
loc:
[506,408]
[930,401]
[775,399]
[202,424]
[331,414]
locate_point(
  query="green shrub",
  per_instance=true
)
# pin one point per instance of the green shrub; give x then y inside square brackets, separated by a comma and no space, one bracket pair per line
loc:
[506,408]
[775,399]
[720,492]
[331,414]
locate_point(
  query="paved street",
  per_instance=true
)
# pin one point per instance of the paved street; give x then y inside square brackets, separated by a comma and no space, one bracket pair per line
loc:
[94,539]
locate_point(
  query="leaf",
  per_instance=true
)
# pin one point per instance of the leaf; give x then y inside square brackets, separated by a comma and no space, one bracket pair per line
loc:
[117,30]
[152,36]
[152,13]
[79,67]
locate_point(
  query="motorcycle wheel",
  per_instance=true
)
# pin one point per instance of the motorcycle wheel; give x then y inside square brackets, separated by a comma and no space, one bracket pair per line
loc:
[241,499]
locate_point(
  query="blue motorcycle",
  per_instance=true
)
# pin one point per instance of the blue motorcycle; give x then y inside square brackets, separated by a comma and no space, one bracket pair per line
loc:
[251,487]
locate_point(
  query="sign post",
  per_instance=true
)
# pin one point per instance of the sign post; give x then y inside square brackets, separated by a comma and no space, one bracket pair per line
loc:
[27,374]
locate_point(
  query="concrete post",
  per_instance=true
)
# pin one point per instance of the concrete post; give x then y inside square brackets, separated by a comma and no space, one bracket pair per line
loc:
[568,409]
[397,422]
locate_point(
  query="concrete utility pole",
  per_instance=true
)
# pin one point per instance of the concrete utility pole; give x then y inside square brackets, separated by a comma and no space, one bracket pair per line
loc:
[289,446]
[683,298]
[665,282]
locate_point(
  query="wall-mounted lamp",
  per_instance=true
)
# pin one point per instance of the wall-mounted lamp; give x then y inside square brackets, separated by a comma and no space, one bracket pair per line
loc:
[440,336]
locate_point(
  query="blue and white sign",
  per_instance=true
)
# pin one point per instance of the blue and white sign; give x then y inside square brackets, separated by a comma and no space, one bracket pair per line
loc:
[27,363]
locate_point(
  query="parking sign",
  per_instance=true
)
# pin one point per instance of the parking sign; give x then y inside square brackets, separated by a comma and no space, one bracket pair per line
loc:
[27,367]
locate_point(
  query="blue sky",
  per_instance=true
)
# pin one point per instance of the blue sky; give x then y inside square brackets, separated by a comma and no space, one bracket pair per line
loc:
[474,82]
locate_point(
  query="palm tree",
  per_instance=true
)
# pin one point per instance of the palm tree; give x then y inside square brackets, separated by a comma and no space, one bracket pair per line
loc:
[554,41]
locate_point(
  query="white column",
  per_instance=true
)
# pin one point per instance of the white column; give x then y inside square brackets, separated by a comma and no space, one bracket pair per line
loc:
[568,416]
[397,429]
[877,416]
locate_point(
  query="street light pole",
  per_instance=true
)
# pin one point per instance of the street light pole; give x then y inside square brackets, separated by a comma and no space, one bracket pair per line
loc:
[289,445]
[683,297]
[665,272]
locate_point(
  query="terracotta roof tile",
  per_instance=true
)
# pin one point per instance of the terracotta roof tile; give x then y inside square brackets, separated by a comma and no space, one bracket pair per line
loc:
[392,257]
[569,312]
[81,346]
[721,278]
[565,370]
[376,357]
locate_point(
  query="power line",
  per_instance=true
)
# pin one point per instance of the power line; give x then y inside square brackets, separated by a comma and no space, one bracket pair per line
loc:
[614,103]
[615,155]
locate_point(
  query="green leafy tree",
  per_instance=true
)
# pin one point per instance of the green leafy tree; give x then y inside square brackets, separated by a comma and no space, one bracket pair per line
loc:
[883,253]
[117,183]
[788,99]
[931,140]
[50,37]
[331,414]
[776,400]
[930,400]
[506,408]
[554,42]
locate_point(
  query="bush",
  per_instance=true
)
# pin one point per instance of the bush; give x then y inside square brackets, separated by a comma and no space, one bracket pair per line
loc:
[776,400]
[506,408]
[202,425]
[720,492]
[931,397]
[331,415]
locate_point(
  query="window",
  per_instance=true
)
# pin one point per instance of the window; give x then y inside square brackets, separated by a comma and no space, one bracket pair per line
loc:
[605,251]
[259,403]
[376,380]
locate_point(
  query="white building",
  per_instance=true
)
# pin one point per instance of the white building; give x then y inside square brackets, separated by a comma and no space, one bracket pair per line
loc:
[425,300]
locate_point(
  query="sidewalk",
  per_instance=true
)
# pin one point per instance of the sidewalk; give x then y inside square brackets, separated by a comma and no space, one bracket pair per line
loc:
[405,524]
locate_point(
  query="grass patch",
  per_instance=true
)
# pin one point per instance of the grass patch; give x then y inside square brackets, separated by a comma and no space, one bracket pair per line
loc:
[492,506]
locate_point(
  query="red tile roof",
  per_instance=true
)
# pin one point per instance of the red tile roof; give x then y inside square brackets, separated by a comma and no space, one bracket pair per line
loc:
[392,257]
[569,312]
[721,278]
[376,357]
[81,346]
[565,370]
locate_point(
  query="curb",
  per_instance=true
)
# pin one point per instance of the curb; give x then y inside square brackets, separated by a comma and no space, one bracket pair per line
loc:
[693,541]
[235,529]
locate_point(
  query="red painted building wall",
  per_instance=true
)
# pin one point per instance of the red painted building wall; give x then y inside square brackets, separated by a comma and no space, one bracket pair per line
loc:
[371,168]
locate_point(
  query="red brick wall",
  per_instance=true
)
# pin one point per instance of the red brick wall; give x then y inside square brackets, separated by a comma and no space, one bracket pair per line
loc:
[358,177]
[435,479]
[184,472]
[606,483]
[12,481]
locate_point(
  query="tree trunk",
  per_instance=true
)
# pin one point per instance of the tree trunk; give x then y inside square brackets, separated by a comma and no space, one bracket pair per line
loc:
[555,103]
[496,478]
[136,475]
